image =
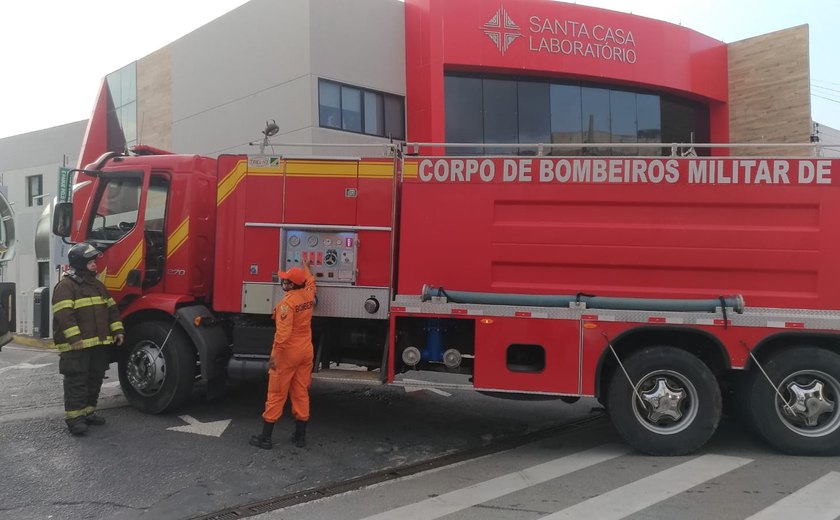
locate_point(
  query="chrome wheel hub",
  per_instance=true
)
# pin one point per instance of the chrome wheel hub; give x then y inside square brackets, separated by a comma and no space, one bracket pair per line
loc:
[146,369]
[809,406]
[666,402]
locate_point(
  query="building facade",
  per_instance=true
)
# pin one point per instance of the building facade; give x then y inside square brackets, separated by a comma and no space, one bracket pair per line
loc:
[371,71]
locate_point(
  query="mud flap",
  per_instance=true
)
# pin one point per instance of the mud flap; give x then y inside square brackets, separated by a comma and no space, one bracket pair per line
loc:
[212,344]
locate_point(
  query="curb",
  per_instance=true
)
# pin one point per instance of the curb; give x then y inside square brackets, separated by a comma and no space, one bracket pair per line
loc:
[30,341]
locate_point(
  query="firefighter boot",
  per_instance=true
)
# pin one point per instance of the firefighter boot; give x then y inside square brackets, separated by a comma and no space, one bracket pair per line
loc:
[77,425]
[94,419]
[299,437]
[263,440]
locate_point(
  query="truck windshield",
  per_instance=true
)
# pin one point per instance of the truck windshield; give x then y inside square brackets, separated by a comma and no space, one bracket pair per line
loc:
[116,209]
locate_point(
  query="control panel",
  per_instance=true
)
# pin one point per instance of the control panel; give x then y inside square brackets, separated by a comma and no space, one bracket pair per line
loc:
[331,254]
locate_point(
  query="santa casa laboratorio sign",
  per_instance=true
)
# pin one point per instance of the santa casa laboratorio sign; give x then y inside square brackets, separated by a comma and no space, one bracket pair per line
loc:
[562,36]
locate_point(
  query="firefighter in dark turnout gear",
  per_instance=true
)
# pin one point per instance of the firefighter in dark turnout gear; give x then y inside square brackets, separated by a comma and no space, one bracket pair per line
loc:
[86,322]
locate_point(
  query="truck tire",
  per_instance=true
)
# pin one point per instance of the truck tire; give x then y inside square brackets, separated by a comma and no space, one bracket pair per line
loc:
[155,383]
[808,379]
[682,402]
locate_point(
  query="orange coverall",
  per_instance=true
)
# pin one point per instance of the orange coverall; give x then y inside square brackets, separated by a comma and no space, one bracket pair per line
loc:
[292,353]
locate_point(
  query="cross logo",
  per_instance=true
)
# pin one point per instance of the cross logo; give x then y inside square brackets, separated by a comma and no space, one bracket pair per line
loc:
[502,30]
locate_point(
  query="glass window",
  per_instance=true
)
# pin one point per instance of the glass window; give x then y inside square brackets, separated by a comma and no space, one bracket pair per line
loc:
[116,211]
[394,117]
[128,119]
[534,118]
[648,122]
[623,120]
[122,123]
[154,230]
[495,109]
[114,81]
[329,104]
[156,204]
[566,118]
[374,113]
[344,107]
[595,107]
[500,114]
[684,122]
[128,83]
[351,109]
[464,118]
[34,190]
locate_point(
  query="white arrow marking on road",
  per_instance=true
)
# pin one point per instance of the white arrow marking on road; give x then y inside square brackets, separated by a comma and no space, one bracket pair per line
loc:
[24,366]
[210,429]
[419,388]
[435,390]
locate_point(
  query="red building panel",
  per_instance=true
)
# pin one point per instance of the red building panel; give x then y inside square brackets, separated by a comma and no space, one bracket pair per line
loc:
[555,40]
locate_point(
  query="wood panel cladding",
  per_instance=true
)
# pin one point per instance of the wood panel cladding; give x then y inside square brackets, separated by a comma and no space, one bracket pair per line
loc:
[769,92]
[154,99]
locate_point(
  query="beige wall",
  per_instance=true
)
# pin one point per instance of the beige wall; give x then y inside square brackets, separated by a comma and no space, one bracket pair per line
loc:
[154,99]
[769,92]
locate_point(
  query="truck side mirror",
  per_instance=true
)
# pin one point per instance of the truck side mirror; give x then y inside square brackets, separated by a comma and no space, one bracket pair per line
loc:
[62,219]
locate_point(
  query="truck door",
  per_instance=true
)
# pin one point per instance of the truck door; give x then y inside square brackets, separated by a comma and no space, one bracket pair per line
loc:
[116,227]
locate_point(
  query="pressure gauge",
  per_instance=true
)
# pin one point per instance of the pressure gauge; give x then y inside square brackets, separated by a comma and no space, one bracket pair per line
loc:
[294,240]
[312,240]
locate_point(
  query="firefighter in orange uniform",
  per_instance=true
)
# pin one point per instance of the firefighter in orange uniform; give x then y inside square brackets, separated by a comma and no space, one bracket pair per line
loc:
[290,365]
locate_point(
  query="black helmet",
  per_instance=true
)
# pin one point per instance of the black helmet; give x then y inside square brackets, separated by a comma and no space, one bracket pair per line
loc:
[80,254]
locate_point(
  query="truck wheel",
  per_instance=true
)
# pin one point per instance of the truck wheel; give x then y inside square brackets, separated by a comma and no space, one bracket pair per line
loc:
[680,405]
[805,418]
[155,381]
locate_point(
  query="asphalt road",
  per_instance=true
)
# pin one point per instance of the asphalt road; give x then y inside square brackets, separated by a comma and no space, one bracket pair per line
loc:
[197,461]
[590,474]
[137,467]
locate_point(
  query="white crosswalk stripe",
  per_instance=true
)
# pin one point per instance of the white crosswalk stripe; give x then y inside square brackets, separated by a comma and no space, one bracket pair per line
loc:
[819,500]
[509,493]
[638,495]
[454,501]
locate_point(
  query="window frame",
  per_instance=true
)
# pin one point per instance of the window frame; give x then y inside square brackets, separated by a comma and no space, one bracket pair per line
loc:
[380,98]
[698,119]
[34,199]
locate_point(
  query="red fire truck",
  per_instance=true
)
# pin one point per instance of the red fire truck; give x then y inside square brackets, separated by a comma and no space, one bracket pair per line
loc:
[663,286]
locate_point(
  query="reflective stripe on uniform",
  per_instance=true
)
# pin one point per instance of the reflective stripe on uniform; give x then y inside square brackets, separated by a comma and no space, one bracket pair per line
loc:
[69,332]
[117,325]
[88,410]
[72,414]
[88,302]
[110,302]
[86,343]
[63,304]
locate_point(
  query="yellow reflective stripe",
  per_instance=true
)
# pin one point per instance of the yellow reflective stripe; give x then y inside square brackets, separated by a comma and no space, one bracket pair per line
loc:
[231,181]
[63,304]
[178,237]
[117,325]
[88,302]
[69,332]
[72,414]
[86,343]
[116,282]
[110,302]
[89,410]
